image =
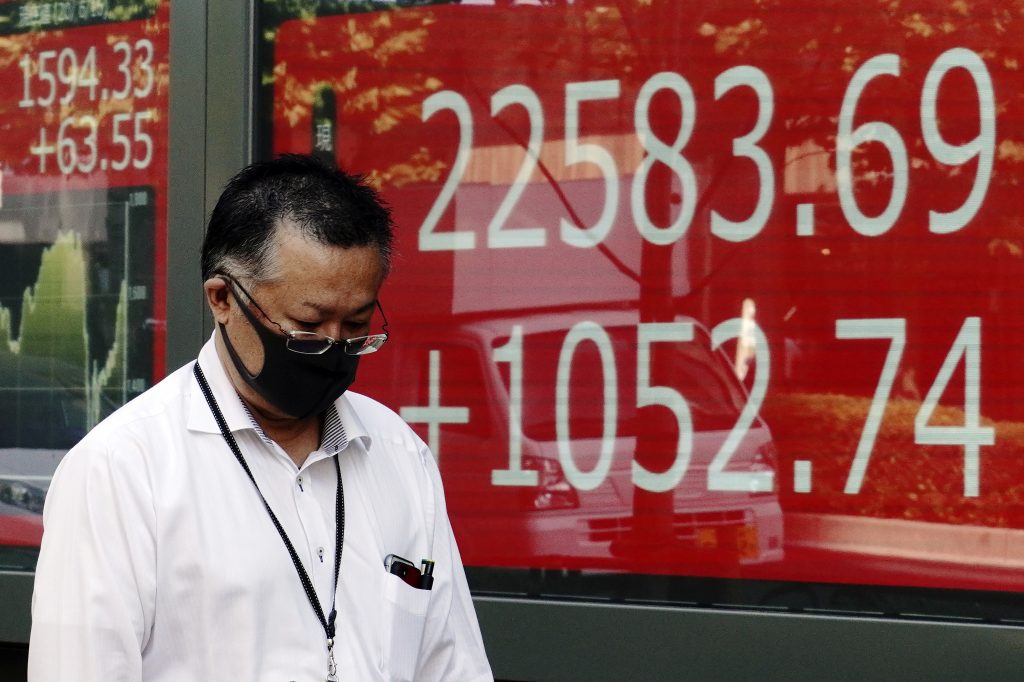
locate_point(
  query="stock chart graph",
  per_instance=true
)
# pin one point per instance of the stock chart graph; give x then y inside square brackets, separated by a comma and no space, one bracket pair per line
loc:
[76,326]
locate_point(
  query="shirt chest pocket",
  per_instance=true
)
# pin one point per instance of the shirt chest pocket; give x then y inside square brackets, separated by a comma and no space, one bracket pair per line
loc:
[403,619]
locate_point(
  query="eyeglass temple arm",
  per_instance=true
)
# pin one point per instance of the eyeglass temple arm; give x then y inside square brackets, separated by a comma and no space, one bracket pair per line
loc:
[234,282]
[384,324]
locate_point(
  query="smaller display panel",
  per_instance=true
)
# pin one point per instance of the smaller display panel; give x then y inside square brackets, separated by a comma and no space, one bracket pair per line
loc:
[83,193]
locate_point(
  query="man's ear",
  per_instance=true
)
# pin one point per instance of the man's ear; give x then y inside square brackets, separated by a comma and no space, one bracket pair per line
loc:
[218,297]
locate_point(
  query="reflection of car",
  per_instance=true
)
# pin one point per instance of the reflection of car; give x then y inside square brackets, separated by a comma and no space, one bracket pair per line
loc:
[24,479]
[22,494]
[573,388]
[43,413]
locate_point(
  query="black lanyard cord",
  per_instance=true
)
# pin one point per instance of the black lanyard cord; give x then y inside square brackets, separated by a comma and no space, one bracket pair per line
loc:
[339,514]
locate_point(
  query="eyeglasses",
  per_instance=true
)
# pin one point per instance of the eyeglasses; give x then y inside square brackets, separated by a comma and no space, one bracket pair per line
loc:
[314,343]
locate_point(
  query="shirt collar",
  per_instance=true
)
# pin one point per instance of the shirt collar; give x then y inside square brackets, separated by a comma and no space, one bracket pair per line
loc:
[341,424]
[200,417]
[332,436]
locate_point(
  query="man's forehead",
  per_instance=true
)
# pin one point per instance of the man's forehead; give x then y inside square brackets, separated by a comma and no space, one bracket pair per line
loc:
[323,278]
[327,310]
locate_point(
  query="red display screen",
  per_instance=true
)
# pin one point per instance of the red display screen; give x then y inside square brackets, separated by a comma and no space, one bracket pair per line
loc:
[695,289]
[83,204]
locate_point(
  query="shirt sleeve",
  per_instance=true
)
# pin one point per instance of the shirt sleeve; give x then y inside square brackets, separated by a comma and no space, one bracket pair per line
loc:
[92,606]
[452,648]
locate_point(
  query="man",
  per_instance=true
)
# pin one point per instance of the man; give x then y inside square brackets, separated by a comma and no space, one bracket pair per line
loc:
[248,518]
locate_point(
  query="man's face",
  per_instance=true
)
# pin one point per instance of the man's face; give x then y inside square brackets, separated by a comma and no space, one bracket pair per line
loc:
[314,288]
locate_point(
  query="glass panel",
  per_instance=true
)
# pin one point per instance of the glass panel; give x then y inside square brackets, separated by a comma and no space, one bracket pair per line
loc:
[82,222]
[735,280]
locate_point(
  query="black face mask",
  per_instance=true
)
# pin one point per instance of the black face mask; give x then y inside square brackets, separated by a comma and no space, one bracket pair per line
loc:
[299,385]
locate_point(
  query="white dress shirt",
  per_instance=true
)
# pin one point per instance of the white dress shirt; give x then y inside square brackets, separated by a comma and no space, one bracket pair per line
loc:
[160,562]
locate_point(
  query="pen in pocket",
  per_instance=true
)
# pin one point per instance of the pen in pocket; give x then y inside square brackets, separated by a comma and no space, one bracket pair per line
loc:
[414,577]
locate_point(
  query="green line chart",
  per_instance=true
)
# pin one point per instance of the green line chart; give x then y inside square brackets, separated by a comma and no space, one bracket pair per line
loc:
[75,312]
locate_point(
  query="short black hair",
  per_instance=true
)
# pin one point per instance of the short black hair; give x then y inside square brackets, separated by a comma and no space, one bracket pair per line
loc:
[323,202]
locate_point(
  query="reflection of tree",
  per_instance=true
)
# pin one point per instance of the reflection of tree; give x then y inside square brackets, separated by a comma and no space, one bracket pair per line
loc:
[394,60]
[827,46]
[355,53]
[382,65]
[904,480]
[807,50]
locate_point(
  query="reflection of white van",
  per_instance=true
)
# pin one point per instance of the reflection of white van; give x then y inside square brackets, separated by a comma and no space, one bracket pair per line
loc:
[561,490]
[25,475]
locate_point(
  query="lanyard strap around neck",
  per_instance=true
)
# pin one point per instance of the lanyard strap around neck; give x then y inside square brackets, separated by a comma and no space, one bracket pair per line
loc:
[339,514]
